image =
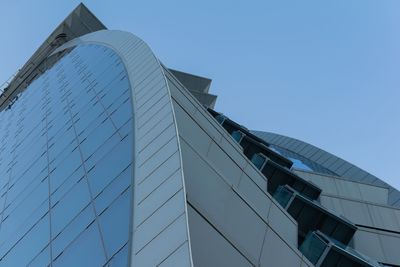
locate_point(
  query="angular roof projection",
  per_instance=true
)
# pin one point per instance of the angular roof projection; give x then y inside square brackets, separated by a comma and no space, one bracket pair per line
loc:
[198,86]
[109,158]
[192,82]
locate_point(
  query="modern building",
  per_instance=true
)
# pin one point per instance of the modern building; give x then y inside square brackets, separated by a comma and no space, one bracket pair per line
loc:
[109,158]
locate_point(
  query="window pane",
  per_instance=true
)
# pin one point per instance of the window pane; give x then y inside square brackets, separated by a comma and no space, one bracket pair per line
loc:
[116,232]
[121,258]
[69,206]
[72,230]
[29,246]
[110,166]
[113,190]
[313,247]
[258,160]
[86,250]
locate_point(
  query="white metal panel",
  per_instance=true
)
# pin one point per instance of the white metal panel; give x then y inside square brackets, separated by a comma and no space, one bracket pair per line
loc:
[276,253]
[158,197]
[177,258]
[239,211]
[368,243]
[199,139]
[210,248]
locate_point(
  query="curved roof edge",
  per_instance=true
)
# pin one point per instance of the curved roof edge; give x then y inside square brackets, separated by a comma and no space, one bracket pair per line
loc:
[329,161]
[151,243]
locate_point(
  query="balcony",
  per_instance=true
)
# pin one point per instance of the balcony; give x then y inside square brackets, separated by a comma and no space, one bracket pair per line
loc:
[278,176]
[274,166]
[323,251]
[249,142]
[311,216]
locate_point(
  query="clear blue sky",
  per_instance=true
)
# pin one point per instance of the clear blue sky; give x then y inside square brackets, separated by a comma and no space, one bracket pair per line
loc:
[326,72]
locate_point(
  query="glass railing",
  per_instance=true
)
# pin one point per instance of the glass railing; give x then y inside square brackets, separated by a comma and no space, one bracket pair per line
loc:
[283,195]
[259,160]
[313,247]
[317,245]
[352,252]
[237,136]
[220,118]
[302,209]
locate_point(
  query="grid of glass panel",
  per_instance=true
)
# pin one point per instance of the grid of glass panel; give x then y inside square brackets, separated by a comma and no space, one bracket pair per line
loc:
[66,165]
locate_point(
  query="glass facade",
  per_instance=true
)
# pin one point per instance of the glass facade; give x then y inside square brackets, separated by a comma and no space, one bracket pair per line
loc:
[66,165]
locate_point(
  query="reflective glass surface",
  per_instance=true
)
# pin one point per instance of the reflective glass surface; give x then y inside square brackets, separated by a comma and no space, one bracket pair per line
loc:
[258,160]
[300,162]
[237,136]
[313,247]
[220,118]
[283,195]
[66,165]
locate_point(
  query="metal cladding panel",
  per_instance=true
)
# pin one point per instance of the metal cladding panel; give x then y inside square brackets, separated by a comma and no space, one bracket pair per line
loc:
[197,86]
[340,187]
[232,210]
[192,82]
[380,245]
[210,247]
[368,242]
[276,253]
[159,224]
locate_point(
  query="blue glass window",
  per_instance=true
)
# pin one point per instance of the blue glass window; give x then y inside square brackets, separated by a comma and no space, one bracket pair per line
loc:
[298,164]
[65,165]
[69,206]
[313,247]
[86,250]
[121,258]
[29,246]
[116,233]
[237,136]
[283,195]
[258,160]
[72,230]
